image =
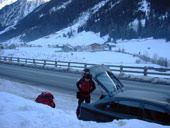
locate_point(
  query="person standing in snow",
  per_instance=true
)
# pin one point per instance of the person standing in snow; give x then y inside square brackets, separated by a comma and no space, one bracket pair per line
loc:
[85,86]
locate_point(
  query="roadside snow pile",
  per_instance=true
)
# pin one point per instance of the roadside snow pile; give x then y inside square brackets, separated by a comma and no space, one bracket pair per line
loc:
[23,90]
[17,112]
[148,79]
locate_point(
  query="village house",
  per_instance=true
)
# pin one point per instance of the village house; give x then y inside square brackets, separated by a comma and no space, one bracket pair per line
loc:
[67,48]
[78,48]
[96,47]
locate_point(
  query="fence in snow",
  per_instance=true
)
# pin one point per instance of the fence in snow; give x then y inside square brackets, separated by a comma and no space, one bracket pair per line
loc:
[146,71]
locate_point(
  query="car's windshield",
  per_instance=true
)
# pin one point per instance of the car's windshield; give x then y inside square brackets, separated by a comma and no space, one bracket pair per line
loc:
[109,82]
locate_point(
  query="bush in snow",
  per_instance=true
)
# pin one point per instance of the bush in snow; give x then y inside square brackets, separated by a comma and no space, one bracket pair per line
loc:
[163,61]
[138,61]
[64,35]
[70,34]
[155,60]
[121,50]
[1,46]
[12,46]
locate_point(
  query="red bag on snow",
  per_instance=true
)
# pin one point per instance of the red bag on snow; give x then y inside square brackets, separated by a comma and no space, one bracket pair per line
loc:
[46,98]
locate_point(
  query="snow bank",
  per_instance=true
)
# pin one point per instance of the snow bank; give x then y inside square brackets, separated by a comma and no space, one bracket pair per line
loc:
[147,79]
[17,112]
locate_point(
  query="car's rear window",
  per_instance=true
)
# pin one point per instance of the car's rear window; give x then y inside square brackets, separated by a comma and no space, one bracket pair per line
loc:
[106,82]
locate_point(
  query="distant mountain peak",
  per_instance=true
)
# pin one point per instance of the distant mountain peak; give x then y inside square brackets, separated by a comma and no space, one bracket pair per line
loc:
[3,3]
[15,11]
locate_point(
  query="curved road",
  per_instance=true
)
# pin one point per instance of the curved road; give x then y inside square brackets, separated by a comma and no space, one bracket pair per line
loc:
[62,81]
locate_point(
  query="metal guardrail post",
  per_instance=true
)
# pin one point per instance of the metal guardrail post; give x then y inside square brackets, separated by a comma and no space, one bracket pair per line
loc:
[26,61]
[85,66]
[10,59]
[68,66]
[4,58]
[18,60]
[44,62]
[34,61]
[55,63]
[145,71]
[121,69]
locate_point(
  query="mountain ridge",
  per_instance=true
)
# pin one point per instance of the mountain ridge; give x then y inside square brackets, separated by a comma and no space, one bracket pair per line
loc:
[11,14]
[120,19]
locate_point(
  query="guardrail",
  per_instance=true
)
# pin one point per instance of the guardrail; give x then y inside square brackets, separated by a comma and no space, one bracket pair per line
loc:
[146,71]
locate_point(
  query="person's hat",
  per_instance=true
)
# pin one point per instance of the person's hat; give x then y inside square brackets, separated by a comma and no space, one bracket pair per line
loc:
[86,70]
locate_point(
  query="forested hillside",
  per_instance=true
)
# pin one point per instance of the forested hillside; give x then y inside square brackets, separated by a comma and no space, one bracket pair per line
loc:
[120,19]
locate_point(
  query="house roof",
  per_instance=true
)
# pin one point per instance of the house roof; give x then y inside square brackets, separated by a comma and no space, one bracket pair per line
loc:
[95,44]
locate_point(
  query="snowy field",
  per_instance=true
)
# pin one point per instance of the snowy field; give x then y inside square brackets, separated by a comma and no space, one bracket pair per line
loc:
[100,57]
[149,47]
[18,110]
[103,57]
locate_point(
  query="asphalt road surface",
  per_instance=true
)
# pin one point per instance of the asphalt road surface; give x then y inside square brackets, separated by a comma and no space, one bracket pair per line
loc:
[62,81]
